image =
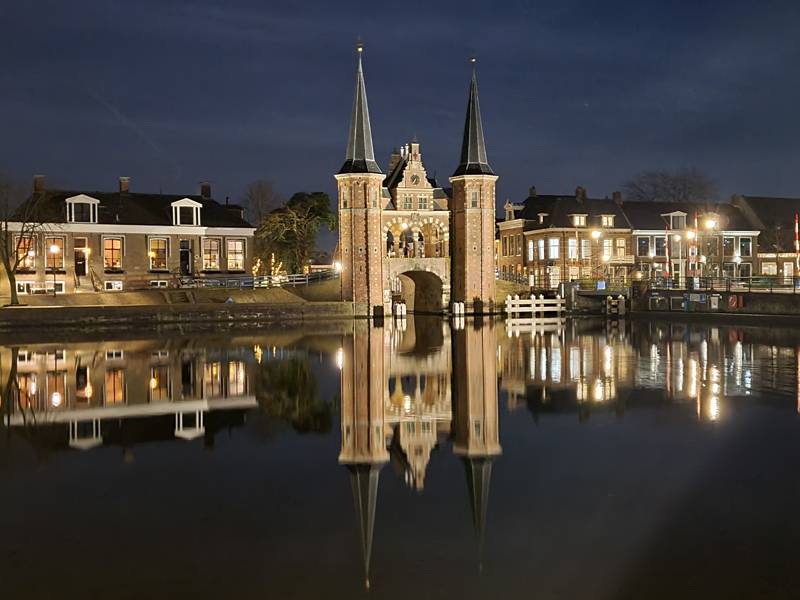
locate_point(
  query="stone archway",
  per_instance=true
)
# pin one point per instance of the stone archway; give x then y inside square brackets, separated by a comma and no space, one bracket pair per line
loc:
[421,291]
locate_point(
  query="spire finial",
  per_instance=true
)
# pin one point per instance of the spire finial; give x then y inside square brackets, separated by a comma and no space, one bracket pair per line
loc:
[359,45]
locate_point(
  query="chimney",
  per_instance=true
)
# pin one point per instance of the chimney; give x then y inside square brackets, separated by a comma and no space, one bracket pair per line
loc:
[124,185]
[38,184]
[532,192]
[205,190]
[580,193]
[617,198]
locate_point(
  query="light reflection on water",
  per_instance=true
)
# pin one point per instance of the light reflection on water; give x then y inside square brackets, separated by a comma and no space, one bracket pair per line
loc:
[420,396]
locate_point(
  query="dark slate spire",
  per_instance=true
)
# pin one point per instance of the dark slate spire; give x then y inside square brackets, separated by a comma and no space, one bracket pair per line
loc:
[479,477]
[364,481]
[360,157]
[473,148]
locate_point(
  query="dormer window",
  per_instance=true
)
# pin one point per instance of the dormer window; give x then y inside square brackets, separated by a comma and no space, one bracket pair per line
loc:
[677,221]
[82,209]
[186,212]
[607,220]
[579,220]
[542,217]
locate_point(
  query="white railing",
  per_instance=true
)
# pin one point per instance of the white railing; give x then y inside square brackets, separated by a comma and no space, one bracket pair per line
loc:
[535,311]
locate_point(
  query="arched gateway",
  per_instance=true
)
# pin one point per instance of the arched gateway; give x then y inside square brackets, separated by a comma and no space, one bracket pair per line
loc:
[405,238]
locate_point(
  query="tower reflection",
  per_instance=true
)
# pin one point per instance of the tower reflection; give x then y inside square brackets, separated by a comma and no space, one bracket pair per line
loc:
[407,387]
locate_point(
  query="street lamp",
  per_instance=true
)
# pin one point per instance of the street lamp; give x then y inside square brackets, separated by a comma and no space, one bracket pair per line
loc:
[54,250]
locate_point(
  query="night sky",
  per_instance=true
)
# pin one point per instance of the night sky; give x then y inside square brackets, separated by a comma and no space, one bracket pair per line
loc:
[572,93]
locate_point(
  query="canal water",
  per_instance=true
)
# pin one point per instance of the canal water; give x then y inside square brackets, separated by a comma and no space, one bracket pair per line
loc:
[417,459]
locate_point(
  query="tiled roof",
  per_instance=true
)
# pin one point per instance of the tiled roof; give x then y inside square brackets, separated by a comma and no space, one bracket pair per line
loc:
[135,209]
[559,209]
[648,215]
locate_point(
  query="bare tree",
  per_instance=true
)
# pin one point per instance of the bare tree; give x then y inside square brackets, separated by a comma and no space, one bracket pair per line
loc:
[681,185]
[260,199]
[20,220]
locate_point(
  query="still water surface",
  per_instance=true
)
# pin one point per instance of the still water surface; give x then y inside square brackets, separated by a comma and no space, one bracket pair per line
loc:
[422,460]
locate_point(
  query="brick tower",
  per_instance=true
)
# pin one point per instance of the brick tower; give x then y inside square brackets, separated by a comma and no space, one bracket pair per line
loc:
[473,215]
[360,182]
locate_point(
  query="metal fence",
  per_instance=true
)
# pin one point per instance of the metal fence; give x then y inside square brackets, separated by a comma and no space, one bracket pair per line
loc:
[763,284]
[261,281]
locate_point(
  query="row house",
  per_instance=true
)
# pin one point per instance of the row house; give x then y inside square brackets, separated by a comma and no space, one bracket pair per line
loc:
[550,238]
[113,241]
[677,240]
[774,218]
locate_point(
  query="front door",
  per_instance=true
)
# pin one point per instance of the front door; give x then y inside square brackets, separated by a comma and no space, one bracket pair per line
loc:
[186,257]
[81,249]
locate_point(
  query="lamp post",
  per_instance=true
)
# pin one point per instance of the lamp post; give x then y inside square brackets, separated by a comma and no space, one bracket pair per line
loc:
[596,233]
[54,250]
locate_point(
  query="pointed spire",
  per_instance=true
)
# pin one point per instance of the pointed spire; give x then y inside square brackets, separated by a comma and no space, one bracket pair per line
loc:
[473,148]
[479,477]
[364,481]
[360,156]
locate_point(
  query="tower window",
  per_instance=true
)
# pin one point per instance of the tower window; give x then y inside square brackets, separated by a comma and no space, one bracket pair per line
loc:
[474,200]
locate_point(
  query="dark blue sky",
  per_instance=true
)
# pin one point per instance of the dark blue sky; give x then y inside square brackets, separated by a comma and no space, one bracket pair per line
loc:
[573,93]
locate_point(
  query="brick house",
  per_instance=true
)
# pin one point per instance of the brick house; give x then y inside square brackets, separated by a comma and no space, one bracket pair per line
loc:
[113,241]
[567,238]
[686,239]
[774,219]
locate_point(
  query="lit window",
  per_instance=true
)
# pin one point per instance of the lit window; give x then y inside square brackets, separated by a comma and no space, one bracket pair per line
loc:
[572,248]
[159,383]
[586,248]
[158,254]
[235,255]
[26,253]
[579,220]
[236,378]
[112,253]
[608,220]
[115,386]
[519,244]
[607,247]
[620,246]
[530,250]
[212,379]
[211,248]
[55,253]
[553,248]
[540,247]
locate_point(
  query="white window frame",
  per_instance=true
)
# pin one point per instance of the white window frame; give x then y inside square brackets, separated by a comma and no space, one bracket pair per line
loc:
[553,243]
[579,220]
[572,248]
[82,199]
[530,250]
[227,254]
[150,252]
[203,253]
[121,238]
[607,220]
[186,203]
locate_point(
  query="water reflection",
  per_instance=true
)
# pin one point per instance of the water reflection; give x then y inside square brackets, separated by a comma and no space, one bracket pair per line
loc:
[403,391]
[408,394]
